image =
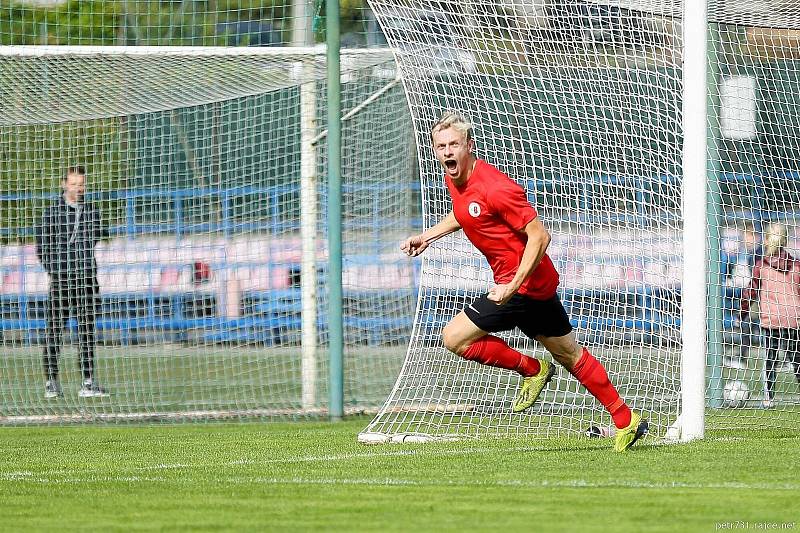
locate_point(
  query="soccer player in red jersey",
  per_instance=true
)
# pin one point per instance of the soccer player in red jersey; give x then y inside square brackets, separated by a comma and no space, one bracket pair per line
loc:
[497,218]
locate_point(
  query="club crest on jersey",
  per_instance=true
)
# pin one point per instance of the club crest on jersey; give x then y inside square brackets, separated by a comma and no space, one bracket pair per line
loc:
[474,209]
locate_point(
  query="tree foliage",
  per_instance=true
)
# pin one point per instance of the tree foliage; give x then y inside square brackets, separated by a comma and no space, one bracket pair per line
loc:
[160,22]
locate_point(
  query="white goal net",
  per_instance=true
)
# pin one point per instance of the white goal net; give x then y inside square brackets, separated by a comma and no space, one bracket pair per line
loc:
[205,168]
[581,103]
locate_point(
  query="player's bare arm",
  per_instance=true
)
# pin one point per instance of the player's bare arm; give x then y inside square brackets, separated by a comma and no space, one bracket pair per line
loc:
[415,245]
[538,241]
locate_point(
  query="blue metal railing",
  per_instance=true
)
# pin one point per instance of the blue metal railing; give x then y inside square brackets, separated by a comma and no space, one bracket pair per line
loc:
[277,200]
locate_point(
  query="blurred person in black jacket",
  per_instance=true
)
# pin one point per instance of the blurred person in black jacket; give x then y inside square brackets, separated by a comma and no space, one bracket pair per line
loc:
[65,242]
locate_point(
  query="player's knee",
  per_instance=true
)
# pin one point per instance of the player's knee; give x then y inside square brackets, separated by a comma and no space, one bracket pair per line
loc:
[453,342]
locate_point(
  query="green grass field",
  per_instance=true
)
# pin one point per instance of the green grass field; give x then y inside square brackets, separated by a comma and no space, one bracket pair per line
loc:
[178,378]
[314,476]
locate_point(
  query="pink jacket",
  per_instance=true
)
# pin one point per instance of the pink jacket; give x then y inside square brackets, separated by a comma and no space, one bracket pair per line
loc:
[776,286]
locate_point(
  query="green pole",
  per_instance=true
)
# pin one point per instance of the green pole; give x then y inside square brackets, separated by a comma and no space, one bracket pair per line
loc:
[716,286]
[335,324]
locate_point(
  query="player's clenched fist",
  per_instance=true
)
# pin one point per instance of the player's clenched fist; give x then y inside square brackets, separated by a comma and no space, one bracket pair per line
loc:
[413,246]
[500,294]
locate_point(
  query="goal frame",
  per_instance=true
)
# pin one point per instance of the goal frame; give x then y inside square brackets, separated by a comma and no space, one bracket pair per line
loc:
[303,63]
[701,320]
[690,424]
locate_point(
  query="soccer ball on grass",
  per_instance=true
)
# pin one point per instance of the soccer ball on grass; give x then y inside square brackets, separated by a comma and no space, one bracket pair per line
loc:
[736,394]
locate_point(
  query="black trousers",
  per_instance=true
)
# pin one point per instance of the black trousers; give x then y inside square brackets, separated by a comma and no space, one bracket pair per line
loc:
[71,298]
[776,340]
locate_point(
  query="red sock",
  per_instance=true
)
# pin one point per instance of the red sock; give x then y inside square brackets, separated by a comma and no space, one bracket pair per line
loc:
[494,351]
[593,376]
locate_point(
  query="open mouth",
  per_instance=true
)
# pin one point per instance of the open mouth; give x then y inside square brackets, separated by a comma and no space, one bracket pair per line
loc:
[450,164]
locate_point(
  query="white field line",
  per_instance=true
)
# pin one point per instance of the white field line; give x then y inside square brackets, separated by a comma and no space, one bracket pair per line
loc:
[543,483]
[14,476]
[388,450]
[389,482]
[88,475]
[332,457]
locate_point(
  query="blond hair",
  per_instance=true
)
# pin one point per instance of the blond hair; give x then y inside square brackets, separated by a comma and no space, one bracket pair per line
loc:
[775,238]
[455,120]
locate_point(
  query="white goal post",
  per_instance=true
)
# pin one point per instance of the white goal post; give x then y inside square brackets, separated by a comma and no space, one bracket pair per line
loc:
[690,423]
[657,139]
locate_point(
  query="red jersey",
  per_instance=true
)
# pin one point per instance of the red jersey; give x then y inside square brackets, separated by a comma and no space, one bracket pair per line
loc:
[493,212]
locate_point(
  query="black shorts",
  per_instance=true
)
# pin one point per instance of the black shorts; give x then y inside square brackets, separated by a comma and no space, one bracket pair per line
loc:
[534,317]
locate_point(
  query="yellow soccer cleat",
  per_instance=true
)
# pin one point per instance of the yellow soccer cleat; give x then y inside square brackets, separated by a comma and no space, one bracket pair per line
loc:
[532,386]
[626,437]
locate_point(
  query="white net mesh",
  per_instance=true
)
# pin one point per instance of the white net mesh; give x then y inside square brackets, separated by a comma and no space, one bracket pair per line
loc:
[580,102]
[196,161]
[754,360]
